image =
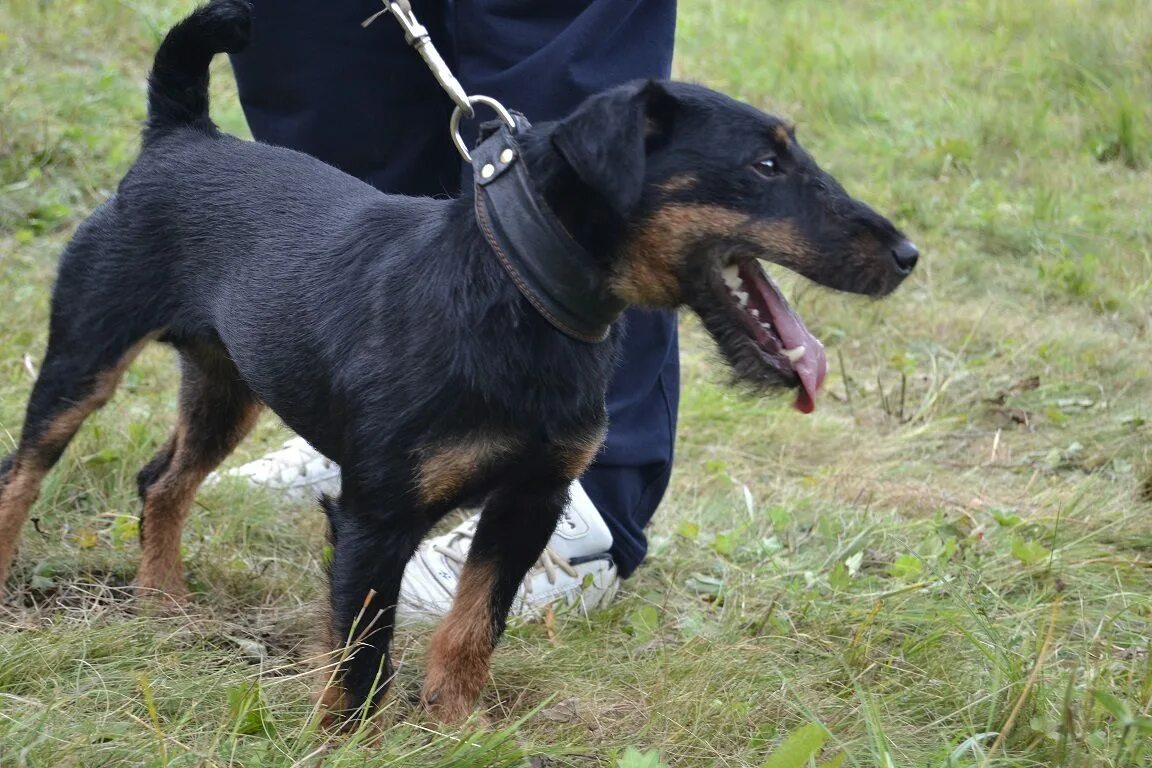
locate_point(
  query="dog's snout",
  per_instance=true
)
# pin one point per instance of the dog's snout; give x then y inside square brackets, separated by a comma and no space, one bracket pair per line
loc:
[905,255]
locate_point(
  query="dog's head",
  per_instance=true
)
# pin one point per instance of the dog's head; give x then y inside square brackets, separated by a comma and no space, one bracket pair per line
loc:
[698,189]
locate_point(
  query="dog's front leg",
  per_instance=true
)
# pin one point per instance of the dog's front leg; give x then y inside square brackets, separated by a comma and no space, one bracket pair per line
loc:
[513,530]
[370,548]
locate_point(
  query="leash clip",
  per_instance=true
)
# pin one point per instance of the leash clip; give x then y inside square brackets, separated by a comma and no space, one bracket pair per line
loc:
[417,36]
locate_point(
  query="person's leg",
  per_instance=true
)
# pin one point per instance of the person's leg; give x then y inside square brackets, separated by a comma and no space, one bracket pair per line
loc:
[544,64]
[544,59]
[314,80]
[628,479]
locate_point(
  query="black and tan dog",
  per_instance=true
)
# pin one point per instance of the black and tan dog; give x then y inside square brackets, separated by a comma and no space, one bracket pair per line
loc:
[390,331]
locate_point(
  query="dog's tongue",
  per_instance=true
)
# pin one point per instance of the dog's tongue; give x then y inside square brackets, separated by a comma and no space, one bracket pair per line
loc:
[790,328]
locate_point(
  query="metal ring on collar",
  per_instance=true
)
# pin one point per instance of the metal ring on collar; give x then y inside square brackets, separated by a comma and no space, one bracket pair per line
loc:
[454,123]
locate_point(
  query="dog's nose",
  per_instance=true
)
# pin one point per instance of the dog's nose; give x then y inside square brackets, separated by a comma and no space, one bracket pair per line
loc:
[905,255]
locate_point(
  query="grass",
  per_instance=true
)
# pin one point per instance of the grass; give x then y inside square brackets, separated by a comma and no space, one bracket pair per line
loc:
[949,564]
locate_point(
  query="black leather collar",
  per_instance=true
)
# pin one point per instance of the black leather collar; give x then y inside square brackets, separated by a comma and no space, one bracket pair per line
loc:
[554,272]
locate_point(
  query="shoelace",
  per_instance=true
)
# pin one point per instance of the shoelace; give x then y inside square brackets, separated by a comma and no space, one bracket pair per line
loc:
[549,561]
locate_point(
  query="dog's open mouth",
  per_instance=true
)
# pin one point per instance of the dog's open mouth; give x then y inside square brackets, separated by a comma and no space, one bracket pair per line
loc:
[777,331]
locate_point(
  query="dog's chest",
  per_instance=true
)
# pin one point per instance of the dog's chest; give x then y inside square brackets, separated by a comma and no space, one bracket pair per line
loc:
[460,465]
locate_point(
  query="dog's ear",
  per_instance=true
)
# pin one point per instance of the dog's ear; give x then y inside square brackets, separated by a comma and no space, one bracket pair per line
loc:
[607,139]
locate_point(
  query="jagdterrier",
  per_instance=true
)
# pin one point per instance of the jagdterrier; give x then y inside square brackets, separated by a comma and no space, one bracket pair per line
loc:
[393,333]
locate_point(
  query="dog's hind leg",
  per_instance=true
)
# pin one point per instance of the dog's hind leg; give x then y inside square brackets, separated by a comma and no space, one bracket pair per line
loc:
[217,409]
[78,376]
[513,530]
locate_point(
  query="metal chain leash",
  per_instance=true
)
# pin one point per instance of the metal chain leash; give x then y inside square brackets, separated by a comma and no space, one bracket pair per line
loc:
[417,36]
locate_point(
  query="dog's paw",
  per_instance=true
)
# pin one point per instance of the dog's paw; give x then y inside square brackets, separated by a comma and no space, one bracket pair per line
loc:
[161,595]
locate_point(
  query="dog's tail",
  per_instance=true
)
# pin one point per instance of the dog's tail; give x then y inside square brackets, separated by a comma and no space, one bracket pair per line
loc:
[178,82]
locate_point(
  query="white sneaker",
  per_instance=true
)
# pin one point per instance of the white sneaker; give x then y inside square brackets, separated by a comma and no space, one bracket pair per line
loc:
[574,572]
[296,469]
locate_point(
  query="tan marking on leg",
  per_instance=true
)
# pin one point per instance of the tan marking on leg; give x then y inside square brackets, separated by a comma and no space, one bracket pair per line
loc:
[21,486]
[65,424]
[18,491]
[445,470]
[336,713]
[578,453]
[332,702]
[329,696]
[167,503]
[461,649]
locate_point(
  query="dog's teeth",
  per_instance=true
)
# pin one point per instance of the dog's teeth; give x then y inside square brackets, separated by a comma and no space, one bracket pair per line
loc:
[755,313]
[742,297]
[731,277]
[795,354]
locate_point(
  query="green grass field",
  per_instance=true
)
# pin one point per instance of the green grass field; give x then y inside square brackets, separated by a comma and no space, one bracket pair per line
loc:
[948,565]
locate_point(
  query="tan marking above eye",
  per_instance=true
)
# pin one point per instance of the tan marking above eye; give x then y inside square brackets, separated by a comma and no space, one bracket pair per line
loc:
[780,134]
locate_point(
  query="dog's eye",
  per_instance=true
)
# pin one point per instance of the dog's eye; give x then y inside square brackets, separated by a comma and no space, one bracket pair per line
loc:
[768,166]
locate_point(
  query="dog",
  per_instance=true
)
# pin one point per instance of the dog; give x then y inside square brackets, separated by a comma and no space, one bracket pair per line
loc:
[401,338]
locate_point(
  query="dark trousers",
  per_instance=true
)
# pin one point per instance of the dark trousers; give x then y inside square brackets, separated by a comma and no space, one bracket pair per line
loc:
[314,80]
